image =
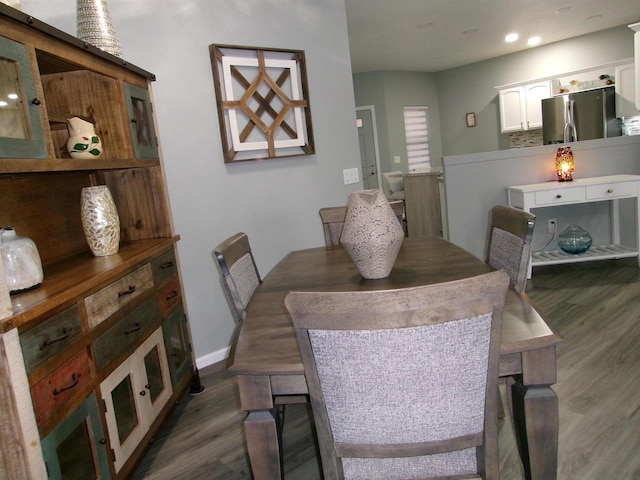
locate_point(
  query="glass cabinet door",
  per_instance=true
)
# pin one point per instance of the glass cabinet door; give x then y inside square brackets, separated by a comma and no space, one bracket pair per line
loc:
[178,346]
[76,448]
[143,132]
[20,128]
[134,394]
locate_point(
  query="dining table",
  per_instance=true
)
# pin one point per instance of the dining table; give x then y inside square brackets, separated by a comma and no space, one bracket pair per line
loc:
[267,362]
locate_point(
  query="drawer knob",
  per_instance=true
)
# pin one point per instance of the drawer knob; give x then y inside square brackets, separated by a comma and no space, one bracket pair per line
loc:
[610,190]
[129,291]
[143,393]
[75,378]
[136,327]
[558,196]
[65,334]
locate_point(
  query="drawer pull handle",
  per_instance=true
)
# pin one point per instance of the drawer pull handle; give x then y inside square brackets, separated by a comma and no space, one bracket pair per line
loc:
[136,327]
[558,196]
[65,335]
[75,378]
[166,265]
[610,190]
[129,291]
[172,295]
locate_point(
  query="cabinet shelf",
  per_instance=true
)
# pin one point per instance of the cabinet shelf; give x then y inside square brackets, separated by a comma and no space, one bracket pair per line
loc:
[29,165]
[70,278]
[601,252]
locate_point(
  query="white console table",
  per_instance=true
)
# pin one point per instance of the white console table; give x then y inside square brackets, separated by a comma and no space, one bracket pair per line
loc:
[597,189]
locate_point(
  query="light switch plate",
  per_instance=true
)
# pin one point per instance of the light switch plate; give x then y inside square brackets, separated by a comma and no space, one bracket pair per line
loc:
[396,159]
[350,176]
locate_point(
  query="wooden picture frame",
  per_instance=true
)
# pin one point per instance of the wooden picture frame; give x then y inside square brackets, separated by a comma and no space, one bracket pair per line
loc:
[263,102]
[471,119]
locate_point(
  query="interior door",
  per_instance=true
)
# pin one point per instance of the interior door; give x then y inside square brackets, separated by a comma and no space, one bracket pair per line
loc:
[366,139]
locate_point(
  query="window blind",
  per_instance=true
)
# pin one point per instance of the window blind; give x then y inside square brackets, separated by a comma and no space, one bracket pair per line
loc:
[416,127]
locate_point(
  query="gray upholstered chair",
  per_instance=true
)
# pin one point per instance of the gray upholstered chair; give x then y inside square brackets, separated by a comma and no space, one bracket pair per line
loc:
[509,247]
[333,220]
[240,275]
[402,382]
[393,185]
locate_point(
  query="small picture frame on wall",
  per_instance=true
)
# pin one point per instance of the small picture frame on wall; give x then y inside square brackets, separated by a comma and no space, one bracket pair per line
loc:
[471,119]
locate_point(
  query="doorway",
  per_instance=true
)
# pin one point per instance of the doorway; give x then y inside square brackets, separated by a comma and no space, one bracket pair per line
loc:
[368,140]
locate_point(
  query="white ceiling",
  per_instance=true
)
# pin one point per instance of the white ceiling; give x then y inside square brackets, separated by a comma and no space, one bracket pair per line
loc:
[434,35]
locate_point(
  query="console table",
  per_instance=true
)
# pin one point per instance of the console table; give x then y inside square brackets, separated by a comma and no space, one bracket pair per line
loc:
[597,189]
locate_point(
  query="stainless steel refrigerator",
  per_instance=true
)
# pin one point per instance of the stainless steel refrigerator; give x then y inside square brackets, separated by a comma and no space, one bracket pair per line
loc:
[580,116]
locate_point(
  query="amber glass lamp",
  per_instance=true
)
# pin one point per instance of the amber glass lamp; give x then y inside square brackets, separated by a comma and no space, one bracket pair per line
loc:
[565,164]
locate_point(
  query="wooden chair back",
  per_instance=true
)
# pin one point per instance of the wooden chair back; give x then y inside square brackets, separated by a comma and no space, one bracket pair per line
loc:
[402,382]
[333,220]
[239,271]
[509,246]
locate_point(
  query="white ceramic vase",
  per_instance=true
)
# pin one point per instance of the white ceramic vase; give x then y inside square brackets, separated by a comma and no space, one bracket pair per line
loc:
[21,261]
[100,220]
[372,234]
[83,143]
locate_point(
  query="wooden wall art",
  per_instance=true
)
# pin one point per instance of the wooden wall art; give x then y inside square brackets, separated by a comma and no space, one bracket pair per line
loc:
[263,102]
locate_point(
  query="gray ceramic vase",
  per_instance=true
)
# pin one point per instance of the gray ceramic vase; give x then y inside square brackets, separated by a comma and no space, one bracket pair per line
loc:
[372,234]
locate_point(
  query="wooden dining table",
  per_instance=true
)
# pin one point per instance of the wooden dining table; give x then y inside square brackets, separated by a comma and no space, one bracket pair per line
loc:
[267,361]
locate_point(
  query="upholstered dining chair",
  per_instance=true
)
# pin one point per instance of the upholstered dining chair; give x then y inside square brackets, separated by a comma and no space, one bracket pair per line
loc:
[509,246]
[402,381]
[240,275]
[333,220]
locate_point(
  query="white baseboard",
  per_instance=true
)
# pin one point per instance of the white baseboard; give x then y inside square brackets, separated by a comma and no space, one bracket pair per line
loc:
[211,358]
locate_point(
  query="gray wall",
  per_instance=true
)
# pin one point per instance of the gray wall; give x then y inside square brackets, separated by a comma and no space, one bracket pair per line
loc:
[276,201]
[471,88]
[389,92]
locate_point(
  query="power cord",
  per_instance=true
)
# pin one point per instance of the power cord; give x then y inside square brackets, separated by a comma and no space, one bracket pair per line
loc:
[553,235]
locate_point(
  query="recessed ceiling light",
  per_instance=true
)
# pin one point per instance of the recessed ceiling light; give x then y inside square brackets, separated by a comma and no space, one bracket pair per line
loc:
[512,37]
[564,10]
[594,17]
[533,41]
[425,25]
[470,31]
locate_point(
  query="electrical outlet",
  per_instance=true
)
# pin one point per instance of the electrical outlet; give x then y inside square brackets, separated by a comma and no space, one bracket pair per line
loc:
[552,225]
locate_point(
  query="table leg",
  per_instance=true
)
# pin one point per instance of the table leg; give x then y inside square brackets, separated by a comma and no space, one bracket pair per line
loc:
[261,430]
[535,415]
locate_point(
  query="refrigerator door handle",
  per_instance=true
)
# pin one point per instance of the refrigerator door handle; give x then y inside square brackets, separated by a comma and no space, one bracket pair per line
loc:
[570,133]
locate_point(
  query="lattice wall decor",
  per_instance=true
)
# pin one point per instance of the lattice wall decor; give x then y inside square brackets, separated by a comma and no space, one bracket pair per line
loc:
[263,102]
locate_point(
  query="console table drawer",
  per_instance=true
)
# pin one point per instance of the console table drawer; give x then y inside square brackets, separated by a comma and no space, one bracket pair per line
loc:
[51,337]
[56,389]
[104,303]
[114,341]
[559,196]
[612,190]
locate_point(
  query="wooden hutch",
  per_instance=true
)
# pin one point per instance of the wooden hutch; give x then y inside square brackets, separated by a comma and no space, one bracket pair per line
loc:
[93,360]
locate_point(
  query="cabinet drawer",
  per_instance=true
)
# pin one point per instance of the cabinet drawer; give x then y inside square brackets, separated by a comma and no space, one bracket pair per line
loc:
[613,190]
[115,340]
[50,338]
[104,303]
[559,196]
[169,295]
[164,267]
[56,389]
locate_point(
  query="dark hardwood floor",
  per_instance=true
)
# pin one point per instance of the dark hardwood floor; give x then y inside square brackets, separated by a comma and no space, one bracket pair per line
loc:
[595,306]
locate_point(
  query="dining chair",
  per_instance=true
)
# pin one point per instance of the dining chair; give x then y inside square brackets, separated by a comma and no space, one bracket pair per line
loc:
[402,381]
[393,185]
[509,246]
[333,220]
[240,275]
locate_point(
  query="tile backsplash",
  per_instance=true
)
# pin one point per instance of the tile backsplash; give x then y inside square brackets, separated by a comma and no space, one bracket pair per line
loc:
[528,138]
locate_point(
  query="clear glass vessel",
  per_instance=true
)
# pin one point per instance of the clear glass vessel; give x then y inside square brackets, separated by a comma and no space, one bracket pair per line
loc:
[574,239]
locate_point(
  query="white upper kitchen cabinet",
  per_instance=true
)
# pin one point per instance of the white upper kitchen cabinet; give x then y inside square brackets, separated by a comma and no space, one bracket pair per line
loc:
[521,107]
[636,45]
[626,90]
